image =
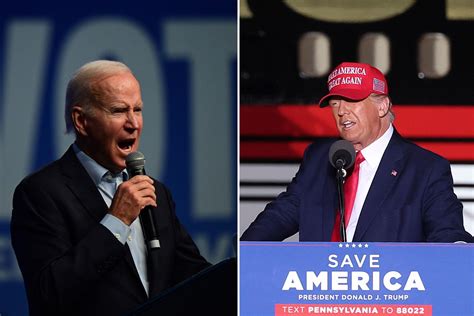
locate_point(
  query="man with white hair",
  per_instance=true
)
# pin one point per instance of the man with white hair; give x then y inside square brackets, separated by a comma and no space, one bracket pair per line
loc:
[75,223]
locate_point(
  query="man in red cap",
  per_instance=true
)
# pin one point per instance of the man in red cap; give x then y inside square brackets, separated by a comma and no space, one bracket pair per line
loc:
[396,191]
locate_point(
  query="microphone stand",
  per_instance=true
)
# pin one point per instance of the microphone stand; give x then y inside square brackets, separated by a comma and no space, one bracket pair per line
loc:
[340,175]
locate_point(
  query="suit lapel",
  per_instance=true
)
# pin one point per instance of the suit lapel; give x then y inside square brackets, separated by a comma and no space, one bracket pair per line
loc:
[330,206]
[133,269]
[154,271]
[83,187]
[384,180]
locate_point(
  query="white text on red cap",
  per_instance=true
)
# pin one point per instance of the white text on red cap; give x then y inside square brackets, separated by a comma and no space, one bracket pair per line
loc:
[347,71]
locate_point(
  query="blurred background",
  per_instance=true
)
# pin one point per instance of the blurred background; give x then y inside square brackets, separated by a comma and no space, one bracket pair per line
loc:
[184,53]
[288,48]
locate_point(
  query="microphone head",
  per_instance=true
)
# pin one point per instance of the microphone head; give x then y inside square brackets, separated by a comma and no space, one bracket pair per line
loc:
[342,154]
[135,163]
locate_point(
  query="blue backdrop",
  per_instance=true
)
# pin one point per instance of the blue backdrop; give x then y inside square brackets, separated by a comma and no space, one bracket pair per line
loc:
[184,55]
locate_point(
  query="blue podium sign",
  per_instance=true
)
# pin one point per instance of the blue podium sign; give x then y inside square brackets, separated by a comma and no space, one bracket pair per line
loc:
[356,279]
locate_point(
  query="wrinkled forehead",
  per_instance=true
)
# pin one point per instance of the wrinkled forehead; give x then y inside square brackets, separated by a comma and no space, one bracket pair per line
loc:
[117,87]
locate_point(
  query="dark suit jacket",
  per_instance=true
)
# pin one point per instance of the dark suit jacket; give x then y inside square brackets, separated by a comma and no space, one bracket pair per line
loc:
[73,265]
[415,203]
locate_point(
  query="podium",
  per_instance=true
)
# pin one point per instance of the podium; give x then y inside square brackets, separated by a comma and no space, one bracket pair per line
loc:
[212,291]
[384,279]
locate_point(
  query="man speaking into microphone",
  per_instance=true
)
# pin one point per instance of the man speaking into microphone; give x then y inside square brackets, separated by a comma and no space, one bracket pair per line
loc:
[92,238]
[395,191]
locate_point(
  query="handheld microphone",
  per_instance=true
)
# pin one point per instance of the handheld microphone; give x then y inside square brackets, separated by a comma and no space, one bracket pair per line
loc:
[135,163]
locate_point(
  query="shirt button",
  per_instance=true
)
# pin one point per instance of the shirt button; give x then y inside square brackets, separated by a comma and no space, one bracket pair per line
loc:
[117,236]
[129,238]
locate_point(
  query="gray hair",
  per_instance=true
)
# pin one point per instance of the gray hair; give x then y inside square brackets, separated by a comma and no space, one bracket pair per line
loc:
[380,98]
[80,89]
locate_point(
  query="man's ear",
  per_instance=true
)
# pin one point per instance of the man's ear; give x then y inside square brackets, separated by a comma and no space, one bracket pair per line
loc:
[79,120]
[383,106]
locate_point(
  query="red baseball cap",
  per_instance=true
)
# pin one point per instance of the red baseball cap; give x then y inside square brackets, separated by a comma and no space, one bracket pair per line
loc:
[354,81]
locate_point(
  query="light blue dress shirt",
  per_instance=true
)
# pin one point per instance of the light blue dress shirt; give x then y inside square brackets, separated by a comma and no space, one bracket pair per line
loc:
[107,183]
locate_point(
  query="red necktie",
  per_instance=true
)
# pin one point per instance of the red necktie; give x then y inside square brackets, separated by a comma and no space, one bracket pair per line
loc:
[350,190]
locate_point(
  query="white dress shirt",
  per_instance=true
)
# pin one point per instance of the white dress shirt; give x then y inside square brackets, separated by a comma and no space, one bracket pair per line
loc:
[373,155]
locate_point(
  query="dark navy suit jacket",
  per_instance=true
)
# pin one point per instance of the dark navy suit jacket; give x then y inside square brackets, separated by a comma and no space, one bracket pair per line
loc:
[73,265]
[411,199]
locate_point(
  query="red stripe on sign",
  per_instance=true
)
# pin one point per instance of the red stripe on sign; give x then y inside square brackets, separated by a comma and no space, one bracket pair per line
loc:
[451,151]
[270,150]
[352,309]
[293,150]
[414,121]
[435,121]
[286,120]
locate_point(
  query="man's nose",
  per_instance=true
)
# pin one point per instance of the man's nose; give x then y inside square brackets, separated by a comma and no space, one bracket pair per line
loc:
[343,108]
[132,120]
